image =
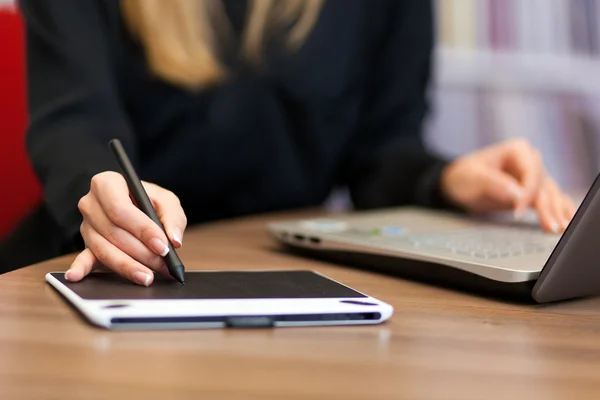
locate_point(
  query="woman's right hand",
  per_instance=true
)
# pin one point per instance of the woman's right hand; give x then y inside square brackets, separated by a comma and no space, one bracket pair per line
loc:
[120,236]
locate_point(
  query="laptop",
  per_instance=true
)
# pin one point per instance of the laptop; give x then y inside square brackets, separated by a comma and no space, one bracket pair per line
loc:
[485,255]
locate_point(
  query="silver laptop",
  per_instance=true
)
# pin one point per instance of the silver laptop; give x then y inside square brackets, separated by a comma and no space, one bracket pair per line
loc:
[497,257]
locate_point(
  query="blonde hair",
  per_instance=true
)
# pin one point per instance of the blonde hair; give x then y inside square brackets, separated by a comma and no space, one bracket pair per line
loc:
[180,36]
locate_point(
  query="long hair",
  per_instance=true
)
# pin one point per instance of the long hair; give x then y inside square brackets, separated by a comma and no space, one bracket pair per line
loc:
[180,37]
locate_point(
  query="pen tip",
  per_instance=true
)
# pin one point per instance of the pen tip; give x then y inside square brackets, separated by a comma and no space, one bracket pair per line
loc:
[179,274]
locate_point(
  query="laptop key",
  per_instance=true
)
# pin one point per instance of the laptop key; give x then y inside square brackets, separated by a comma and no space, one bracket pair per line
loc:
[487,244]
[479,254]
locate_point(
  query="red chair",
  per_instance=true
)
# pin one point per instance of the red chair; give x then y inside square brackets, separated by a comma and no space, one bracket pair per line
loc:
[20,190]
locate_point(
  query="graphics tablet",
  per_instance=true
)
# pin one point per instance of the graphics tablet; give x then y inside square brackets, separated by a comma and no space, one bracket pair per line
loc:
[215,299]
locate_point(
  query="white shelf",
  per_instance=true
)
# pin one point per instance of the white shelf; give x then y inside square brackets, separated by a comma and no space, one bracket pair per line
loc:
[8,5]
[508,70]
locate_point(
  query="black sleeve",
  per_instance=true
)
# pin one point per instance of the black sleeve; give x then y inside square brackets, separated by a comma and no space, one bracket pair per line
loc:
[73,102]
[389,162]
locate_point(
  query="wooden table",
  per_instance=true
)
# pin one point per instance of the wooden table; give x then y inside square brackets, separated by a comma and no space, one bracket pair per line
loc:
[439,344]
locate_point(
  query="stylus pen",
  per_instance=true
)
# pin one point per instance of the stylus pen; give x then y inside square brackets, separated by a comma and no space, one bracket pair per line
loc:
[174,264]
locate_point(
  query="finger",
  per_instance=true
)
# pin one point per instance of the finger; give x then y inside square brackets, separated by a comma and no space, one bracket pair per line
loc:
[113,195]
[544,210]
[500,189]
[569,210]
[555,200]
[525,164]
[119,237]
[81,266]
[169,211]
[113,258]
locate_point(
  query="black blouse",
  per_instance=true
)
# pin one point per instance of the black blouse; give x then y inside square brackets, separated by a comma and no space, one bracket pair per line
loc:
[346,109]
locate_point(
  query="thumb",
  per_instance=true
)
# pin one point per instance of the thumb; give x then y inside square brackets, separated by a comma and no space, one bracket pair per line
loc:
[501,188]
[169,211]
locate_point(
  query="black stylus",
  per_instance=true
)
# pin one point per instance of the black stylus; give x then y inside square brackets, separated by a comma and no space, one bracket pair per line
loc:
[136,188]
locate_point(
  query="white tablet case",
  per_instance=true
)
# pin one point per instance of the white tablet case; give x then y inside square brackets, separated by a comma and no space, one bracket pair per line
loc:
[135,314]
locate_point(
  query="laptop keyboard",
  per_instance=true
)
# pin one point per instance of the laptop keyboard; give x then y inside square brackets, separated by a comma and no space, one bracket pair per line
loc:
[487,243]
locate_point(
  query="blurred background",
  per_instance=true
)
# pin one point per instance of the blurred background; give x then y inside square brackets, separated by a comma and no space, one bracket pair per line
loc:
[19,191]
[504,68]
[528,68]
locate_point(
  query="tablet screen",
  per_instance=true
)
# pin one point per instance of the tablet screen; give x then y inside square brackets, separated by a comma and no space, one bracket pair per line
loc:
[212,285]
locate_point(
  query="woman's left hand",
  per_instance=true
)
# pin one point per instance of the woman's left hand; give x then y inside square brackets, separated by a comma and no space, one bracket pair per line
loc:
[505,176]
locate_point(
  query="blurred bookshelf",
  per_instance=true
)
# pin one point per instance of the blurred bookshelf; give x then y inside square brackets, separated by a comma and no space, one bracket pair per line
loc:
[520,71]
[520,68]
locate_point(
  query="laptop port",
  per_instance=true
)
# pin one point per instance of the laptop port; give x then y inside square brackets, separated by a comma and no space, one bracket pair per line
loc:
[315,240]
[299,238]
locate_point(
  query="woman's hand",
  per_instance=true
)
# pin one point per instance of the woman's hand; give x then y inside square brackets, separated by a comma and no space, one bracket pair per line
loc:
[509,175]
[120,236]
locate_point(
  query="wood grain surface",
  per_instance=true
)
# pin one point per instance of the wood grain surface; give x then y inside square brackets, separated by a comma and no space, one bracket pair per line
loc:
[439,344]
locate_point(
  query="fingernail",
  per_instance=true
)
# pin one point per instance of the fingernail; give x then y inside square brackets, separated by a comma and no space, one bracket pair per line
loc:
[159,247]
[67,274]
[566,223]
[142,278]
[177,235]
[554,227]
[517,193]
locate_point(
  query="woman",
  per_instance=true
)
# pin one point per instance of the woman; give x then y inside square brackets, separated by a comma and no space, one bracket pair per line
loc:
[233,107]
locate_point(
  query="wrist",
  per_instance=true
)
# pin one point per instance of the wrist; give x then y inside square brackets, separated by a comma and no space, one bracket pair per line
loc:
[445,187]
